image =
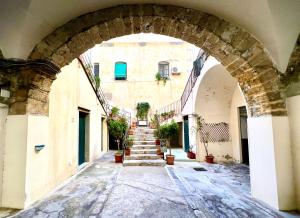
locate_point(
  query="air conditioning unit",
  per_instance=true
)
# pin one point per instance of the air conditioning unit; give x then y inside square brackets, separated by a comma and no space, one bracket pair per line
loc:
[174,71]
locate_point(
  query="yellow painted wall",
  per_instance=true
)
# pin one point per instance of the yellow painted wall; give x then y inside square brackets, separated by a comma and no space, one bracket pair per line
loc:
[142,64]
[28,175]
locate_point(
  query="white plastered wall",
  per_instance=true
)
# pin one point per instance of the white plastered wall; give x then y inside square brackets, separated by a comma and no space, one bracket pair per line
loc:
[213,102]
[293,105]
[237,101]
[3,116]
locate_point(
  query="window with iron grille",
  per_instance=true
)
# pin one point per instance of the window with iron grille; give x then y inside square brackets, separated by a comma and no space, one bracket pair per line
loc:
[96,69]
[120,70]
[163,68]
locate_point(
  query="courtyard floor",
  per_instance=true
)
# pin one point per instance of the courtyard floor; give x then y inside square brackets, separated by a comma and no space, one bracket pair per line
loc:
[106,189]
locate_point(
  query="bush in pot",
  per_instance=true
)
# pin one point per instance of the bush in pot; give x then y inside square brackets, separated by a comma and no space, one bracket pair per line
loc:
[117,127]
[128,145]
[142,110]
[204,136]
[166,132]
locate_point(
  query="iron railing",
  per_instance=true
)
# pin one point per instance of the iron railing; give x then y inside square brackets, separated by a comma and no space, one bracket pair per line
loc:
[174,107]
[197,67]
[85,60]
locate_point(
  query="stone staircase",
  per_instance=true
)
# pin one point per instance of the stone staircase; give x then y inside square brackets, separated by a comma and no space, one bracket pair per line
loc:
[143,151]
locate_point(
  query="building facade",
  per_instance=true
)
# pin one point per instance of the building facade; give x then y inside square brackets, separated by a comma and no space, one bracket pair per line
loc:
[128,68]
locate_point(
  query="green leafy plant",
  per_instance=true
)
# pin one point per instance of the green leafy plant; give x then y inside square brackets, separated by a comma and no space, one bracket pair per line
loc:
[97,80]
[157,77]
[117,128]
[114,111]
[168,130]
[142,110]
[202,133]
[129,142]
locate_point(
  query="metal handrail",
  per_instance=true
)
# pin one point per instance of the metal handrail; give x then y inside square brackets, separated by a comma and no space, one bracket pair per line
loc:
[174,106]
[86,62]
[195,73]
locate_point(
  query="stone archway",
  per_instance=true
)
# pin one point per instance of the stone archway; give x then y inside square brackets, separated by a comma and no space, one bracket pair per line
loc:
[242,55]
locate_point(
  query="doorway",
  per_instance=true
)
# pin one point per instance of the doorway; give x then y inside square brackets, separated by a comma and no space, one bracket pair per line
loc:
[82,138]
[186,133]
[244,134]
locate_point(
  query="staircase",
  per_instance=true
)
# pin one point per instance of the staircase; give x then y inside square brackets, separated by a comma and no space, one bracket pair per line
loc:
[143,151]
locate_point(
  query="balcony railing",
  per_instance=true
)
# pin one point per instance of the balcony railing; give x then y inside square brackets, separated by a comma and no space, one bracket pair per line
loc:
[198,65]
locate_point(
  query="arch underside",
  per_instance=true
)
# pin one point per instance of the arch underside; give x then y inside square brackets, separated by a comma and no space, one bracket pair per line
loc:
[243,56]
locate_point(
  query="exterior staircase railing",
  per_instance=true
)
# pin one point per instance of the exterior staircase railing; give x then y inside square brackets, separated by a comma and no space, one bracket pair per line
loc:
[170,110]
[197,67]
[86,63]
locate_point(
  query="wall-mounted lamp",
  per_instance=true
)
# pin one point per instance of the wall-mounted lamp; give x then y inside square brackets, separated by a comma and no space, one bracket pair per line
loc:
[37,148]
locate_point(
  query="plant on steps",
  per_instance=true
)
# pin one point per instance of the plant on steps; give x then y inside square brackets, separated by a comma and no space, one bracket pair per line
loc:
[128,145]
[117,127]
[142,110]
[167,131]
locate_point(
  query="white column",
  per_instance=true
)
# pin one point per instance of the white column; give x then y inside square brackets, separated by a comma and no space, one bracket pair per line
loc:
[192,133]
[24,171]
[270,156]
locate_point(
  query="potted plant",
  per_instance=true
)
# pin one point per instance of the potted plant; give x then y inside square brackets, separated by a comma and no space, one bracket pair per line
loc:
[166,132]
[129,143]
[155,122]
[117,127]
[191,154]
[142,113]
[204,136]
[114,112]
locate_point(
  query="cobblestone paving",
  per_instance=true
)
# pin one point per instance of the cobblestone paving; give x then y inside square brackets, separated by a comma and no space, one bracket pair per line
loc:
[109,190]
[223,190]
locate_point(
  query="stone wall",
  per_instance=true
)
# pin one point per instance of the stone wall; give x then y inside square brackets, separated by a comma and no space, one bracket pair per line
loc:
[243,56]
[29,84]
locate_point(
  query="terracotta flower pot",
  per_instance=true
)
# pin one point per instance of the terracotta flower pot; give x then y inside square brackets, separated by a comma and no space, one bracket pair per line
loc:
[209,159]
[118,158]
[130,132]
[170,159]
[191,155]
[157,142]
[127,151]
[162,155]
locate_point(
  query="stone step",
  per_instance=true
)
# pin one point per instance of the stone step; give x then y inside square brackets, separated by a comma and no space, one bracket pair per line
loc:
[143,157]
[144,139]
[144,163]
[144,142]
[144,136]
[139,147]
[143,151]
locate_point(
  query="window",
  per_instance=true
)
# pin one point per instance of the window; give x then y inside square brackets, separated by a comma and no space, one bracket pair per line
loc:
[120,70]
[96,69]
[163,68]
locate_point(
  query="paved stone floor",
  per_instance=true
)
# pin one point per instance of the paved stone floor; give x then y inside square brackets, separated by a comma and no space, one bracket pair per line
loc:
[109,190]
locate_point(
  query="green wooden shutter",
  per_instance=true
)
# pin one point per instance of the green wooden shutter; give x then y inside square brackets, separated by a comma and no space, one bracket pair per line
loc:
[120,70]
